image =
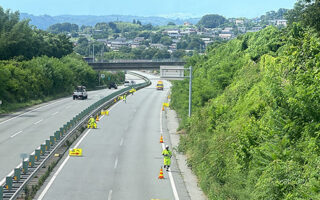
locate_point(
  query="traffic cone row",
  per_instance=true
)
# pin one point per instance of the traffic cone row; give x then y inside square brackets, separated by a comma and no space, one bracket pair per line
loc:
[97,119]
[161,174]
[161,141]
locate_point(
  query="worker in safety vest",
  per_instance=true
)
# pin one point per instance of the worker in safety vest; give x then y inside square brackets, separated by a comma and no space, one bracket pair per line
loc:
[91,121]
[167,154]
[125,98]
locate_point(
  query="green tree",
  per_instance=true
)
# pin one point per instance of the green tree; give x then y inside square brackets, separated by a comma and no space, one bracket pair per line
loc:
[166,40]
[212,21]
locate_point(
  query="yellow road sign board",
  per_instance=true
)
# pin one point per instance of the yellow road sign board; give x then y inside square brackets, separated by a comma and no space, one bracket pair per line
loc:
[75,152]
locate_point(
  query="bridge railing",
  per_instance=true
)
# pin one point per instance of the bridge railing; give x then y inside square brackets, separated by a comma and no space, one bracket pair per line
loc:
[137,61]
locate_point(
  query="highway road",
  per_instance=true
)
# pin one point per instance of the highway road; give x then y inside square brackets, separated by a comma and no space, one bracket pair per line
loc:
[24,132]
[122,158]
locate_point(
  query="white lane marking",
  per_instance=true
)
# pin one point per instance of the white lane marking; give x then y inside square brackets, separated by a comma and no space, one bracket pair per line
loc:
[55,113]
[110,195]
[121,142]
[173,185]
[60,168]
[116,163]
[38,122]
[31,111]
[15,134]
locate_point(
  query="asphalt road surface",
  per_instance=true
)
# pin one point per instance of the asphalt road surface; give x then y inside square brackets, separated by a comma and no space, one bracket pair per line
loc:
[24,132]
[122,158]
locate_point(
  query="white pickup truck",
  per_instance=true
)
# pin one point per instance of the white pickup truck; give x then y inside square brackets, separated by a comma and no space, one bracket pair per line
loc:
[80,93]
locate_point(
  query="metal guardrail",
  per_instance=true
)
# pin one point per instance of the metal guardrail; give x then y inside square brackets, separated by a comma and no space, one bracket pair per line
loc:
[14,183]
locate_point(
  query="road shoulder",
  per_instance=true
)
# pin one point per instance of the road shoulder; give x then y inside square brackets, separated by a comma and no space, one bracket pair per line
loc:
[189,178]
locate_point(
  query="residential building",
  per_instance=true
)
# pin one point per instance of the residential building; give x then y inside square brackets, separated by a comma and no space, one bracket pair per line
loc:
[255,29]
[239,22]
[281,22]
[188,31]
[138,39]
[158,46]
[225,36]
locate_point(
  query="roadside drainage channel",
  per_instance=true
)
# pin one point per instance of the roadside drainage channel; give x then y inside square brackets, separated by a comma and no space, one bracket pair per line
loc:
[15,182]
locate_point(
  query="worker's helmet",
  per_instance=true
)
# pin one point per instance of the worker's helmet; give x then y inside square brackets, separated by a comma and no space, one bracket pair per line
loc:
[167,146]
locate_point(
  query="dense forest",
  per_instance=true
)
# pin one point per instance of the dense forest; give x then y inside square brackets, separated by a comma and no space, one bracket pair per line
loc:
[36,66]
[255,128]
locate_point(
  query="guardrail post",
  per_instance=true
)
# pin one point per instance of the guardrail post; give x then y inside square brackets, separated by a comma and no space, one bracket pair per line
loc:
[42,149]
[8,185]
[25,167]
[51,140]
[1,193]
[31,160]
[57,135]
[17,174]
[37,154]
[47,145]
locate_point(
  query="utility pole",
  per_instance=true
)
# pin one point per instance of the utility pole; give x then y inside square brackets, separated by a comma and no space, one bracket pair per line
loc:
[190,90]
[93,53]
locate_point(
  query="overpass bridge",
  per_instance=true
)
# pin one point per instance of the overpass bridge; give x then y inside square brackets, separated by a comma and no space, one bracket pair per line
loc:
[134,64]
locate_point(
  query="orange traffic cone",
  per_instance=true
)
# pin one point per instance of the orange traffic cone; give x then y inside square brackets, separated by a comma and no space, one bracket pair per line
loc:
[161,174]
[162,108]
[97,119]
[161,139]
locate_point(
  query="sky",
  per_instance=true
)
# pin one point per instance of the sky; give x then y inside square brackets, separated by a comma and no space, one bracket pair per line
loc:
[167,8]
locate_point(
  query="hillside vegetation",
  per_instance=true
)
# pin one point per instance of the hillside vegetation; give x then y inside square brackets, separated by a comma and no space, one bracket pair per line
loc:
[254,132]
[37,66]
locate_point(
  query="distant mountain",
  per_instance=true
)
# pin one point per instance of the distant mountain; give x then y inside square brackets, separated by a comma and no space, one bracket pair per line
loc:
[44,21]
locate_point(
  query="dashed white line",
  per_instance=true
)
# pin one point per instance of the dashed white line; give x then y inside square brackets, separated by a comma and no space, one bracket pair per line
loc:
[60,168]
[116,163]
[16,134]
[55,113]
[110,195]
[31,111]
[38,122]
[121,142]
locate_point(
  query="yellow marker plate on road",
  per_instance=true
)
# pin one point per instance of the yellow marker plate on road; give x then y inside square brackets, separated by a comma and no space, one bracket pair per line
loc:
[75,152]
[166,104]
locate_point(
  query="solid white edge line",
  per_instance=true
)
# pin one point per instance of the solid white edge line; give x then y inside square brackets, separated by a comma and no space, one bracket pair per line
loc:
[110,195]
[15,134]
[45,190]
[38,122]
[31,111]
[173,185]
[121,142]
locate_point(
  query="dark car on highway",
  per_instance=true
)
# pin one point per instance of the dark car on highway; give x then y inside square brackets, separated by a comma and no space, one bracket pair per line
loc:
[113,85]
